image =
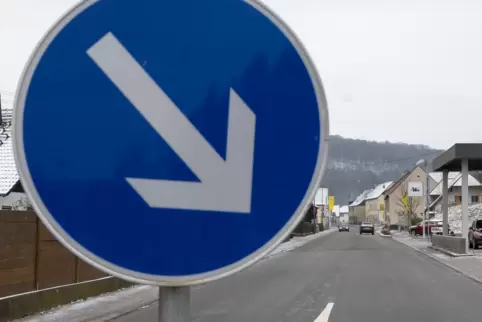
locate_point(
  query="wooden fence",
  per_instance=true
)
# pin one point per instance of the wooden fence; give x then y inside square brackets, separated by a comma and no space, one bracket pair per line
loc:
[32,259]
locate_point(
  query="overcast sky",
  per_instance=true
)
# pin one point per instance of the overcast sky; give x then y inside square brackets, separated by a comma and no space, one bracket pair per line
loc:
[396,70]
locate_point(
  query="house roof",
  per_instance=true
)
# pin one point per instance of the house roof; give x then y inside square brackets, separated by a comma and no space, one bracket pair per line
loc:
[437,176]
[477,175]
[399,181]
[378,190]
[472,182]
[437,191]
[455,182]
[359,200]
[8,171]
[439,197]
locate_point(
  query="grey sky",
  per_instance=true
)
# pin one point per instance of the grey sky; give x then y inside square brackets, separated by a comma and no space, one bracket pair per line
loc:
[396,70]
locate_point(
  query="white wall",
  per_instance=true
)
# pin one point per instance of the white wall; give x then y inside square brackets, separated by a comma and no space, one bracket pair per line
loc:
[321,196]
[13,199]
[344,217]
[456,191]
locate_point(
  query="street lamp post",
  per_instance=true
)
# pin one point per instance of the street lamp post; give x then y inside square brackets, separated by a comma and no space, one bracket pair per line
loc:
[427,192]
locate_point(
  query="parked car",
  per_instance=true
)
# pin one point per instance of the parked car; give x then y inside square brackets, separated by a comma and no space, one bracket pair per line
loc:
[386,230]
[435,226]
[432,227]
[343,227]
[438,230]
[367,228]
[475,234]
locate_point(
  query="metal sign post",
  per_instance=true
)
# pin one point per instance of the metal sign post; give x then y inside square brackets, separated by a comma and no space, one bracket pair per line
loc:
[175,304]
[186,136]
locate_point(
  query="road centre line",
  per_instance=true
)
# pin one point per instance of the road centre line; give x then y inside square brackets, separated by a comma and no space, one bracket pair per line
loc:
[325,314]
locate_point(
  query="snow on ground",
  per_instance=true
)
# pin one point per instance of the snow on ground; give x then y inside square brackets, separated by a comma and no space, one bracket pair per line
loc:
[455,216]
[296,242]
[100,308]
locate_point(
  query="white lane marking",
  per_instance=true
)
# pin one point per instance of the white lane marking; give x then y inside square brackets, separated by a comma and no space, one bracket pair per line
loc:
[325,314]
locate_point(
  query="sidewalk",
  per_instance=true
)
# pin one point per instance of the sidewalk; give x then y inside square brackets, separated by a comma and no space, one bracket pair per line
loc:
[111,305]
[296,242]
[470,266]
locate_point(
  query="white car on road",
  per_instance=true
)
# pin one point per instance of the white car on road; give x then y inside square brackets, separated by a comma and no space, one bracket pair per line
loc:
[367,228]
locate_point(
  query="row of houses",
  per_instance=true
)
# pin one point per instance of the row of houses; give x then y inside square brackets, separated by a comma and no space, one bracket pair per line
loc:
[388,201]
[383,203]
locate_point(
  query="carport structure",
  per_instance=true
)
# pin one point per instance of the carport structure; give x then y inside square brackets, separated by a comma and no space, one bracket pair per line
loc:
[462,157]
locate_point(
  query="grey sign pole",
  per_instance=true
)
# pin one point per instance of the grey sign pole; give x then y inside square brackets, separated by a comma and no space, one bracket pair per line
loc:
[175,304]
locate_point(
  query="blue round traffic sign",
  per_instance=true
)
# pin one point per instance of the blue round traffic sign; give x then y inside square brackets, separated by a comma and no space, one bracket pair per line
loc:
[170,142]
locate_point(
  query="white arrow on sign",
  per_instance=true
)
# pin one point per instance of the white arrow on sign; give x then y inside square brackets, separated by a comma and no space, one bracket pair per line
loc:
[224,185]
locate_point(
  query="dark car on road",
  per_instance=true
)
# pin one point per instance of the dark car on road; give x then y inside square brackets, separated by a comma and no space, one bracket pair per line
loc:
[367,228]
[343,227]
[475,234]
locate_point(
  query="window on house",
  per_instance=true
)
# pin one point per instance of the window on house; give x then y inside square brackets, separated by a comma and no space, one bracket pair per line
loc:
[474,199]
[458,200]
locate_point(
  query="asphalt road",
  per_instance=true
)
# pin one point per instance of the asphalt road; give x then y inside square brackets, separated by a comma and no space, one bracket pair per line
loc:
[367,278]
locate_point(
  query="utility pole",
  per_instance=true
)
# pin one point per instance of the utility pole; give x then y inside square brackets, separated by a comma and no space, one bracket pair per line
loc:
[427,194]
[0,109]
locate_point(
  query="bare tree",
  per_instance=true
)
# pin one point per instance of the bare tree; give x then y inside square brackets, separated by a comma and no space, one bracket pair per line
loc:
[22,204]
[409,208]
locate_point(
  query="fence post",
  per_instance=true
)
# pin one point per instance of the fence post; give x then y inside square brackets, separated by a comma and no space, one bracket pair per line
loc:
[37,252]
[76,269]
